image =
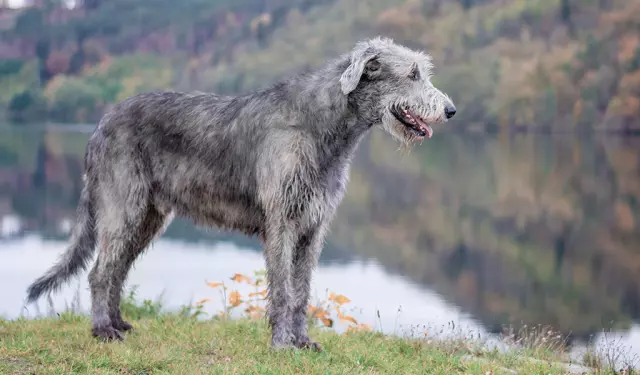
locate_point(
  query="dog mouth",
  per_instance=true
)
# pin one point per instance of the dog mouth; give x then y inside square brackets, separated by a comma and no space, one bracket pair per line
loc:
[414,123]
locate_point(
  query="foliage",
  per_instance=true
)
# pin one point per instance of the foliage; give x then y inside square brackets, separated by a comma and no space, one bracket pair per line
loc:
[119,78]
[541,64]
[73,99]
[254,303]
[10,66]
[24,78]
[133,309]
[27,106]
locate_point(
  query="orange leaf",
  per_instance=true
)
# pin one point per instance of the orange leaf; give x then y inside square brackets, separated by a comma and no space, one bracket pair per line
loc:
[214,285]
[255,312]
[318,312]
[339,299]
[312,310]
[235,299]
[328,322]
[203,301]
[348,318]
[261,293]
[254,308]
[240,278]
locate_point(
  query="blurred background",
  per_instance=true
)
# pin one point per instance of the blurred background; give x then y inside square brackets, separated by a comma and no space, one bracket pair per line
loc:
[524,209]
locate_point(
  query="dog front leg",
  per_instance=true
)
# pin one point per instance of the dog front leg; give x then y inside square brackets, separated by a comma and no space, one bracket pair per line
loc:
[279,246]
[305,259]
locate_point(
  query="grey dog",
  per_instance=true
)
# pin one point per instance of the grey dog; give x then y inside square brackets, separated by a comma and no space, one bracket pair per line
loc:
[273,163]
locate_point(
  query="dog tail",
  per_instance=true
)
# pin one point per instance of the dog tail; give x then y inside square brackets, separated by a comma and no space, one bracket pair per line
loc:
[75,259]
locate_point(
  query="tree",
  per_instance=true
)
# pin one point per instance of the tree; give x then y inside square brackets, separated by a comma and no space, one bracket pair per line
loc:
[74,99]
[27,106]
[57,63]
[565,11]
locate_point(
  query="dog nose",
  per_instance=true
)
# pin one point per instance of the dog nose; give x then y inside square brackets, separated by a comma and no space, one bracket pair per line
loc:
[449,111]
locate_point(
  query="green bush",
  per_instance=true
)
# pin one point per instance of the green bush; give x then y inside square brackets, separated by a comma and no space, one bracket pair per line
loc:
[10,66]
[27,106]
[74,99]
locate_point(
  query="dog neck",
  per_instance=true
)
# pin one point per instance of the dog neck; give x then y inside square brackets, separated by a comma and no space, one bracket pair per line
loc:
[318,93]
[334,123]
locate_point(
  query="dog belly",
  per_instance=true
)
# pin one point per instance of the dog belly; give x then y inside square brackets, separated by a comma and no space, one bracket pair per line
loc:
[229,215]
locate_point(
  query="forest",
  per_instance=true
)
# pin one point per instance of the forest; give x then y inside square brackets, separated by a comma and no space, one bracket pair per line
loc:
[538,65]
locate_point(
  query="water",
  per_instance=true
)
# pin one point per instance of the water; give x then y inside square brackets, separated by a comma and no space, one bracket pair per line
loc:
[178,272]
[481,230]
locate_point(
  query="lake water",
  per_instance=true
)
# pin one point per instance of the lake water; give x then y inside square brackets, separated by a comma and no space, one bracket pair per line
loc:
[481,230]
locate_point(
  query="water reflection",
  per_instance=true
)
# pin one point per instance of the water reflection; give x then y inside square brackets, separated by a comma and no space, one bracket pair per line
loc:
[507,229]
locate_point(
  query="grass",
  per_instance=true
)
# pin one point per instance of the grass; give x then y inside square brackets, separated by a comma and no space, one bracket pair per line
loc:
[182,342]
[176,344]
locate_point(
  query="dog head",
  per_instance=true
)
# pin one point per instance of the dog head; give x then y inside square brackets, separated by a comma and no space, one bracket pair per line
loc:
[391,85]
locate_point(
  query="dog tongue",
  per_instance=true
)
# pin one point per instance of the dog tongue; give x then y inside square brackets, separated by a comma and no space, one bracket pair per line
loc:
[424,126]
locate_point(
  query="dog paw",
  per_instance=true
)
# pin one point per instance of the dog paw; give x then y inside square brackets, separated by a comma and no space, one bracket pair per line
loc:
[282,339]
[122,326]
[307,343]
[107,334]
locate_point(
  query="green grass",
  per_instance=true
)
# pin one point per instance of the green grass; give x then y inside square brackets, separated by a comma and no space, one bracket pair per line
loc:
[182,342]
[178,344]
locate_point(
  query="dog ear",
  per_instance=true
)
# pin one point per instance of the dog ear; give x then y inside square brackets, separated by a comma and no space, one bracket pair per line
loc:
[351,76]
